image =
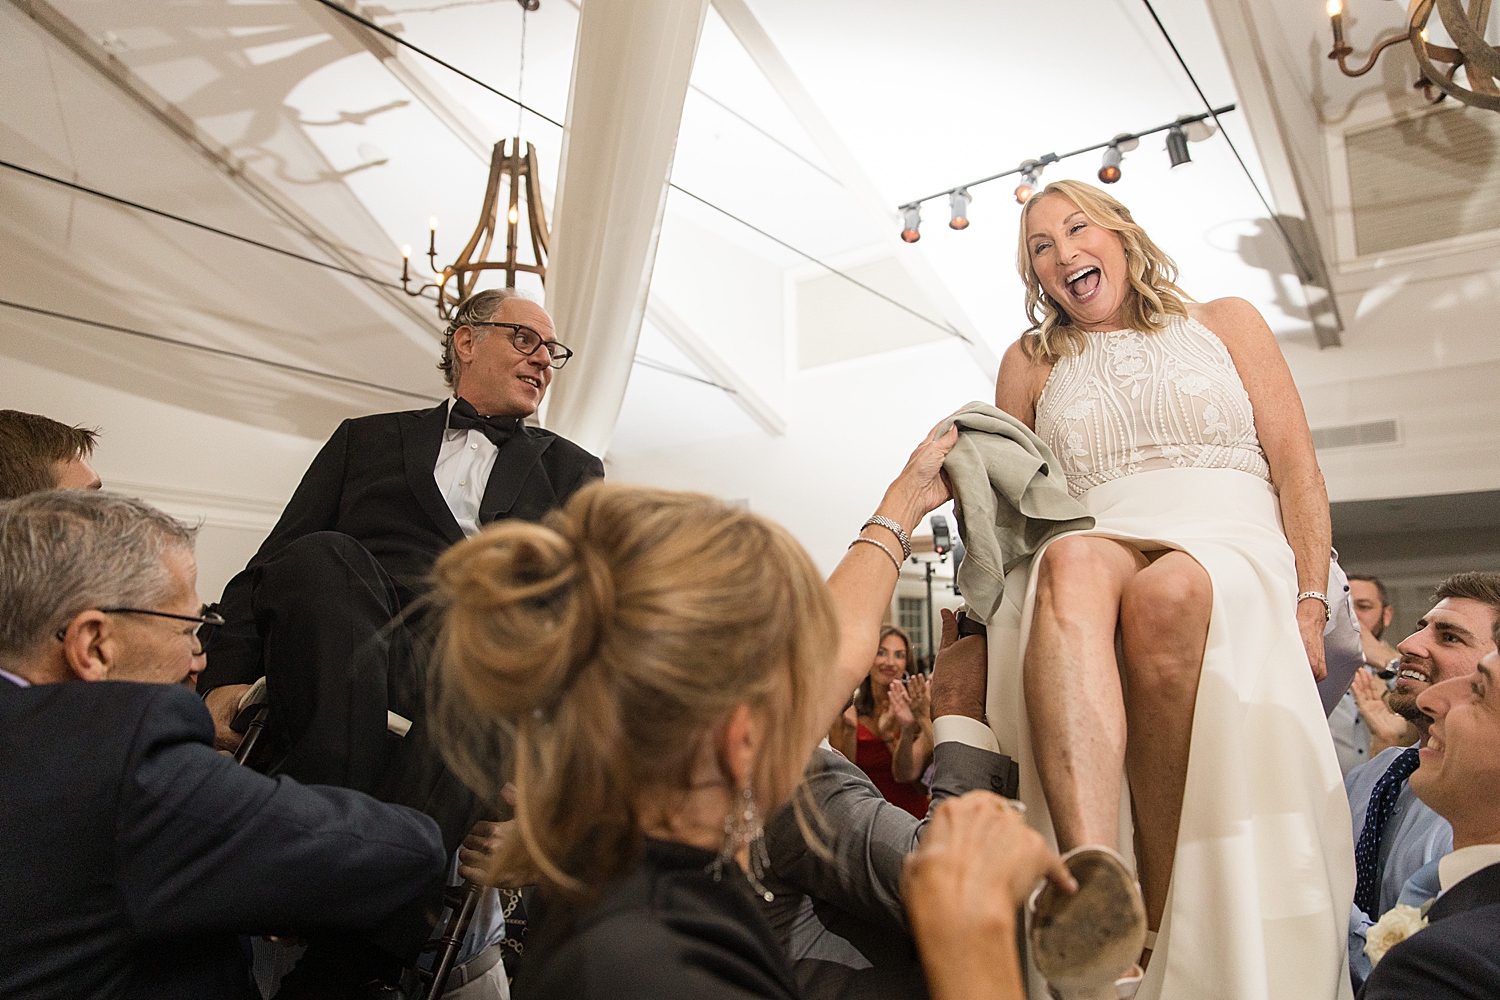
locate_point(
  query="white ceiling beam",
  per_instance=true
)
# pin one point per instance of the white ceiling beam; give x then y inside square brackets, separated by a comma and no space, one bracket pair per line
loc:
[686,340]
[851,173]
[1244,51]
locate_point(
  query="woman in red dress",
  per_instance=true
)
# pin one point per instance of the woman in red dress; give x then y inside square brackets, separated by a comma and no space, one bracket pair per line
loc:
[887,731]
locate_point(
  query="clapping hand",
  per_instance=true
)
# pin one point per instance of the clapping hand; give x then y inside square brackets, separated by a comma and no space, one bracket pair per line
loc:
[920,697]
[901,706]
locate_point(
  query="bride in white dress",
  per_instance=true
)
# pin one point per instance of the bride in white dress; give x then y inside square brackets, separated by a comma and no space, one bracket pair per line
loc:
[1155,677]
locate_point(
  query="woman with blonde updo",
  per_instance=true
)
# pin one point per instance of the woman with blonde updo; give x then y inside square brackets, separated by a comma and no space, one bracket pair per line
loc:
[661,666]
[1157,674]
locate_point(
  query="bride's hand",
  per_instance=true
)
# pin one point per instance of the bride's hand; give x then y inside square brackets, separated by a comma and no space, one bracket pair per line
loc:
[1310,621]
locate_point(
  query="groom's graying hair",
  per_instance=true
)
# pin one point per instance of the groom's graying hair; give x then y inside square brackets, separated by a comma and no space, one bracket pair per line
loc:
[477,308]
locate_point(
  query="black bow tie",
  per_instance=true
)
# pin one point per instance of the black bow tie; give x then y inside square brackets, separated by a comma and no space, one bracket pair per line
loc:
[463,417]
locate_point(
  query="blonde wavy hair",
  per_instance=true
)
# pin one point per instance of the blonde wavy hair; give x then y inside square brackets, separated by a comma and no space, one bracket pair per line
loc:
[600,648]
[1153,294]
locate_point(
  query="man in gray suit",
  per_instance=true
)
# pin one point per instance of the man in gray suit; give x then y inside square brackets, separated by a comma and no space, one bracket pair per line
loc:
[841,919]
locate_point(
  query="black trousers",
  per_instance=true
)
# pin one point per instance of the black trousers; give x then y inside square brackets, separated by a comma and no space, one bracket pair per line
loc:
[338,655]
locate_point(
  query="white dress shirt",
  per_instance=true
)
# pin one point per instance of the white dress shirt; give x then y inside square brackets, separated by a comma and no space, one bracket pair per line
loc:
[1465,861]
[463,469]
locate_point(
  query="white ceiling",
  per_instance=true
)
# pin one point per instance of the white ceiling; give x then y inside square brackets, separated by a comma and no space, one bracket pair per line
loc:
[360,153]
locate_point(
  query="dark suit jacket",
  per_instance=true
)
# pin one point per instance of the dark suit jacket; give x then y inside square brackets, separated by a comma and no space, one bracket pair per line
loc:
[373,481]
[131,853]
[842,922]
[1456,957]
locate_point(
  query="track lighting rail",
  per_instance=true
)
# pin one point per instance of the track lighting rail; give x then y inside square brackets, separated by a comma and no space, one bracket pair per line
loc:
[1031,164]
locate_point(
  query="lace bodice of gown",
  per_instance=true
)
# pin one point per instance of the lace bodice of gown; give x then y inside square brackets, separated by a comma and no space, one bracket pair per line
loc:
[1131,402]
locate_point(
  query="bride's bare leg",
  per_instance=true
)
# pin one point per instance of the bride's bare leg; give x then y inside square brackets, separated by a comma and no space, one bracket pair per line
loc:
[1072,683]
[1164,614]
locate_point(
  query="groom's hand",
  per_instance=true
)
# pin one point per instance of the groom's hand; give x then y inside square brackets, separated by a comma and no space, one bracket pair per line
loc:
[961,674]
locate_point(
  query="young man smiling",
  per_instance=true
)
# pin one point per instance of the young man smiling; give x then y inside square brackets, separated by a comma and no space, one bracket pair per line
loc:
[1455,956]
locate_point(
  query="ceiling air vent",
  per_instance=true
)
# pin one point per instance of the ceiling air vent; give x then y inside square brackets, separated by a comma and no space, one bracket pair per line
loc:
[1354,435]
[1423,178]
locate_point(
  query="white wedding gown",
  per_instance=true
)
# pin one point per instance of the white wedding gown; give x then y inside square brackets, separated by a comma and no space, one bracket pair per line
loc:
[1156,435]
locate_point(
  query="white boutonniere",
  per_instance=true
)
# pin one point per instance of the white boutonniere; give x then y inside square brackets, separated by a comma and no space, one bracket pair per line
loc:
[1399,923]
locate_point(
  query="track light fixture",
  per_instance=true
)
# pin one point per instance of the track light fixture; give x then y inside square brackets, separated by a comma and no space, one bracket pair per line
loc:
[912,221]
[1109,170]
[1177,149]
[1188,128]
[1031,172]
[958,203]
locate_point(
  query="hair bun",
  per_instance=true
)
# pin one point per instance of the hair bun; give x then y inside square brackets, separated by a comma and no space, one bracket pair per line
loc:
[524,606]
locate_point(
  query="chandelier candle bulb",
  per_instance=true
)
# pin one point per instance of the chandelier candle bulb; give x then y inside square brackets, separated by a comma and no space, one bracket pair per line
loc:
[515,216]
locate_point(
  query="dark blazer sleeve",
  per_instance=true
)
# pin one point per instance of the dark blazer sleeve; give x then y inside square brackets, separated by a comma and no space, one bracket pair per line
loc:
[236,657]
[868,836]
[206,846]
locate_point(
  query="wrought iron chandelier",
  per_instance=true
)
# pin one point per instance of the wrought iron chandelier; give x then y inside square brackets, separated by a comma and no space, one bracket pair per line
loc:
[457,281]
[1479,60]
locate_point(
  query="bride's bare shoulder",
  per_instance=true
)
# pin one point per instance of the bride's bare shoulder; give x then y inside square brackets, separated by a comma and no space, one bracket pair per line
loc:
[1231,319]
[1020,383]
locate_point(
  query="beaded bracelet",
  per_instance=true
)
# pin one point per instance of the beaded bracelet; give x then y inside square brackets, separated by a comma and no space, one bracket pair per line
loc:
[894,561]
[895,529]
[1313,595]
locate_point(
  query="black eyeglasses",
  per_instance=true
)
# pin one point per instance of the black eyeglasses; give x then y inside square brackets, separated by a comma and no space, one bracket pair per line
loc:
[209,622]
[528,340]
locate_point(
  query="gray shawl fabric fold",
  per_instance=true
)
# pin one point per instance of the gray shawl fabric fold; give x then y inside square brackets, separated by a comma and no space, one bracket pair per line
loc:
[1010,497]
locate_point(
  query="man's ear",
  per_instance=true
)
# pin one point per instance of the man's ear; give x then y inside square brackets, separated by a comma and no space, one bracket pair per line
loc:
[1390,612]
[463,344]
[740,742]
[89,647]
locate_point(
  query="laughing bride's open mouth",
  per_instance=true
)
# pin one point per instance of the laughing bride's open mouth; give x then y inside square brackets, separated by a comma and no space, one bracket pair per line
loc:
[1083,283]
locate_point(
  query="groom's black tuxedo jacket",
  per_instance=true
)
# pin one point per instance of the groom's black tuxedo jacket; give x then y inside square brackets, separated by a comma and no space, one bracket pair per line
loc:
[1456,957]
[373,481]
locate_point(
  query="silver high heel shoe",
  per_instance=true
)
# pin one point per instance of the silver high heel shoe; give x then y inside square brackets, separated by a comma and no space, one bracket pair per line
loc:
[1086,944]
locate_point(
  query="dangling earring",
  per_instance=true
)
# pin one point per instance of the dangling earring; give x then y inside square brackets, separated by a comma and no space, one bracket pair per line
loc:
[744,827]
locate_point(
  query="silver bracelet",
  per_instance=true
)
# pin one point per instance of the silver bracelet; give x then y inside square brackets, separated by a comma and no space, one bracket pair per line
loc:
[1313,595]
[894,561]
[894,528]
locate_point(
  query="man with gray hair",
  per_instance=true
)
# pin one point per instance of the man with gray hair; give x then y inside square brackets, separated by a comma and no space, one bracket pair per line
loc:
[313,611]
[134,853]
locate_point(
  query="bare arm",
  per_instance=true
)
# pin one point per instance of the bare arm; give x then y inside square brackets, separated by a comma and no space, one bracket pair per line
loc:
[865,579]
[1281,425]
[844,736]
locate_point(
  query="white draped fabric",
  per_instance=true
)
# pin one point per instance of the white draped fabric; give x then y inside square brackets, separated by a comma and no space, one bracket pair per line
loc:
[631,66]
[1264,875]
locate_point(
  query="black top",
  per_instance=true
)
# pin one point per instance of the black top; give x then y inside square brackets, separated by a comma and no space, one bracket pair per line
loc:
[132,854]
[1456,957]
[664,931]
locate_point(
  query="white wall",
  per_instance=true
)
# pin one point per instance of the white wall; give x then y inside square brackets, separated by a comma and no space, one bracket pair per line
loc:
[230,477]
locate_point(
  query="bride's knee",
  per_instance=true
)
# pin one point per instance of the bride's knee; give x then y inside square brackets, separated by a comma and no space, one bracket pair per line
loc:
[1076,561]
[1167,602]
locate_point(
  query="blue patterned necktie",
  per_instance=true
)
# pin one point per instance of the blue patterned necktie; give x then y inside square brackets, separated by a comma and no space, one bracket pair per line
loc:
[1382,804]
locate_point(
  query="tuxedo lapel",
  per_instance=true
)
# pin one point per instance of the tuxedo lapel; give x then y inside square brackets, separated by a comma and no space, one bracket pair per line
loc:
[421,439]
[1480,889]
[517,467]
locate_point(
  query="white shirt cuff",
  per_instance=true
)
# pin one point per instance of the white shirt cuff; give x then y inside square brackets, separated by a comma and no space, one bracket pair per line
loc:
[962,729]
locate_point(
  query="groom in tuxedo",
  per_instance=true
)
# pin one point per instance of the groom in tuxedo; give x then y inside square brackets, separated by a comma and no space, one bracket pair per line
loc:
[313,611]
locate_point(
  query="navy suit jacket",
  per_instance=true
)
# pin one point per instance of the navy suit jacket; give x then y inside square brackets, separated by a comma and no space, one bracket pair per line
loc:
[132,854]
[1456,957]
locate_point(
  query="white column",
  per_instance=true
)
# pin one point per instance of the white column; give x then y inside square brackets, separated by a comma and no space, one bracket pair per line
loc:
[631,67]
